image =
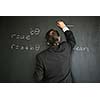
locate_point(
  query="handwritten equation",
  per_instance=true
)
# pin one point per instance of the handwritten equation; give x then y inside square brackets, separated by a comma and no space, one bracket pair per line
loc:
[36,47]
[82,49]
[21,36]
[26,37]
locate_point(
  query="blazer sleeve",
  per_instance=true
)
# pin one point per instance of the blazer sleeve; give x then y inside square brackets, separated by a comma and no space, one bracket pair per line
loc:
[39,70]
[70,38]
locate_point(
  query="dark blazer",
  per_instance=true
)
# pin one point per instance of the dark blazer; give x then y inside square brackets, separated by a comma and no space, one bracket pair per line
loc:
[53,64]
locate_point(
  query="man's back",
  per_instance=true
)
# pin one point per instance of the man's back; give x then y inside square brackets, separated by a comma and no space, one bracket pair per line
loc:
[56,63]
[53,64]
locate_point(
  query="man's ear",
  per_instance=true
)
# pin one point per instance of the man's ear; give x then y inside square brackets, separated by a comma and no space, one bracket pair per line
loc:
[59,38]
[48,43]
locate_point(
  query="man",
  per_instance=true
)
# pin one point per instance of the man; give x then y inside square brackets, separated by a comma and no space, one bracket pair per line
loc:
[53,64]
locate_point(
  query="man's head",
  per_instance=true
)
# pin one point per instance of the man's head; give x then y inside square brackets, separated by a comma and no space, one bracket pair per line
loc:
[52,37]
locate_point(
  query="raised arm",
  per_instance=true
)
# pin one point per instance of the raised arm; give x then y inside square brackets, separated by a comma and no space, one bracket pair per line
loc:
[68,33]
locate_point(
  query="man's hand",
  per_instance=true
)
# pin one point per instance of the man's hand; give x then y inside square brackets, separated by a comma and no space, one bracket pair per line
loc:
[60,24]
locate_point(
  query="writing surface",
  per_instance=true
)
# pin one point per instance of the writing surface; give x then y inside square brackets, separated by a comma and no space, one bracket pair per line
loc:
[23,37]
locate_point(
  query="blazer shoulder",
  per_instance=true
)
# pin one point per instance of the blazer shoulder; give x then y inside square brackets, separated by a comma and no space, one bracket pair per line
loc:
[42,53]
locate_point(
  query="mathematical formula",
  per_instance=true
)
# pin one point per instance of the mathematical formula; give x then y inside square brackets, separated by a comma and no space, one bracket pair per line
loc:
[36,47]
[79,48]
[23,36]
